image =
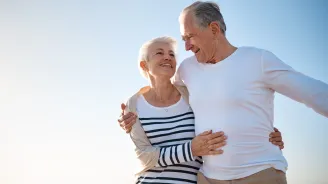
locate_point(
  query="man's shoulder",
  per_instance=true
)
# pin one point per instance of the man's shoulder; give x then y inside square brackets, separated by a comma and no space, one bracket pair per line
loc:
[253,52]
[252,49]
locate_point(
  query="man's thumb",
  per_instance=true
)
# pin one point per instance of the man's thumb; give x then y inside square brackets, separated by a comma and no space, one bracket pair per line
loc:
[123,106]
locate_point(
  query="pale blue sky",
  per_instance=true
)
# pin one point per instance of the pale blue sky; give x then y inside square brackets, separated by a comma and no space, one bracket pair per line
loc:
[65,67]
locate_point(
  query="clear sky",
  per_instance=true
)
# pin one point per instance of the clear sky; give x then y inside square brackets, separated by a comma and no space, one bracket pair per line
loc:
[66,65]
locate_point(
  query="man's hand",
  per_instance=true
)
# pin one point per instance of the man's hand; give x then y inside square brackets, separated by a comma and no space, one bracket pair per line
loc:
[126,121]
[276,139]
[207,143]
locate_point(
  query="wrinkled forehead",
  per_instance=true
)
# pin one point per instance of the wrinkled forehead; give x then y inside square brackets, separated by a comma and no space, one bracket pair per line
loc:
[186,23]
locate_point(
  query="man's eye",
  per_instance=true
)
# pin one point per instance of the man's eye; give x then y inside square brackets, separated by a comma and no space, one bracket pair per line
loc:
[172,55]
[159,53]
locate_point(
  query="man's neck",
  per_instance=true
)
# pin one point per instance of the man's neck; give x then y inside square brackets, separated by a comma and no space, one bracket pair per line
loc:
[224,51]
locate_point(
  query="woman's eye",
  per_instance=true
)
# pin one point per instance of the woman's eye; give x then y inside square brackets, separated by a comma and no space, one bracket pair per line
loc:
[172,55]
[159,53]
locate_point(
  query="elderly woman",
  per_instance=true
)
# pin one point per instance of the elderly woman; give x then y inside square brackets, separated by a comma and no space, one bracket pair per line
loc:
[163,133]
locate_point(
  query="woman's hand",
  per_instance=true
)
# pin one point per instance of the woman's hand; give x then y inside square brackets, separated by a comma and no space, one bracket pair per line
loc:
[207,143]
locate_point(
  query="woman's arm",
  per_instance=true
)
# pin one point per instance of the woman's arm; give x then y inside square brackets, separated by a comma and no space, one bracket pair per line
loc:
[150,156]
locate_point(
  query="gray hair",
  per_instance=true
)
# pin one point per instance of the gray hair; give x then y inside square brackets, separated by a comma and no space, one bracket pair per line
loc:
[143,52]
[205,13]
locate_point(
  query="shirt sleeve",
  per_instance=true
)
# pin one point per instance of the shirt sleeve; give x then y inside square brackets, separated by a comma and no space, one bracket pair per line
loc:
[285,80]
[147,154]
[150,156]
[175,155]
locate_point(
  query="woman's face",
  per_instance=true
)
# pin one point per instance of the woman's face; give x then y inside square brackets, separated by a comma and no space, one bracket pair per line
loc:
[161,61]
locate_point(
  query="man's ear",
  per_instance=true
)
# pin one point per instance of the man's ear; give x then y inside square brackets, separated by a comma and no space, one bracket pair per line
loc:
[215,28]
[143,65]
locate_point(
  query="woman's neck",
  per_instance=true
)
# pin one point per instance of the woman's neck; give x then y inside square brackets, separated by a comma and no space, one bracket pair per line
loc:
[162,90]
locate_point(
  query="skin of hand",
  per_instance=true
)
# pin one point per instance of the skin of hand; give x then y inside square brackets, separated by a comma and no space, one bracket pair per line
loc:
[207,143]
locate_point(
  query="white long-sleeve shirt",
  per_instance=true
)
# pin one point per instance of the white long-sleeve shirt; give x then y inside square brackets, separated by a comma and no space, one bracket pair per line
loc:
[236,95]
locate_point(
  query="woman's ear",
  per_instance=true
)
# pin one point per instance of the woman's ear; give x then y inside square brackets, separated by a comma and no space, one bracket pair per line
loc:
[144,66]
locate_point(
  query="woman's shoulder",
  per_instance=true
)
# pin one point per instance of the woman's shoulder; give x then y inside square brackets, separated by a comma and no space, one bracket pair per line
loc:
[132,100]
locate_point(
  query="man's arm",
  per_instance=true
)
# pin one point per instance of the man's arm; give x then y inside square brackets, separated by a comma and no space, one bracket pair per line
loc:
[295,85]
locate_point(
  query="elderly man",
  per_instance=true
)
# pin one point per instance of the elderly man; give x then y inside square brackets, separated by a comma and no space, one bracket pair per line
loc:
[232,89]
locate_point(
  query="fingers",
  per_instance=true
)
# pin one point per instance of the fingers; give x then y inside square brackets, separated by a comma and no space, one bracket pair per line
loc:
[215,135]
[275,129]
[275,134]
[125,117]
[217,140]
[215,152]
[216,146]
[277,143]
[128,121]
[128,127]
[275,139]
[206,133]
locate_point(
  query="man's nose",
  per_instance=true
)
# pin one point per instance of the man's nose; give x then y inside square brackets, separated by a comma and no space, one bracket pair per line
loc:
[188,46]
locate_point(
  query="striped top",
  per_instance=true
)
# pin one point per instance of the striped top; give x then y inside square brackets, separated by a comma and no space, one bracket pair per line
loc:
[171,129]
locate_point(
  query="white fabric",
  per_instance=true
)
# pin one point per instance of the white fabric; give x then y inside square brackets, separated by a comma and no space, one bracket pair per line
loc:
[236,96]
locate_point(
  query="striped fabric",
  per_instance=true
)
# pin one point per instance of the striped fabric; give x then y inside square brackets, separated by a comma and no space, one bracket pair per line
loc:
[172,129]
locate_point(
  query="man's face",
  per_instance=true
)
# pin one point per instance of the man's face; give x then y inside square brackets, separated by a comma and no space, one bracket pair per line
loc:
[200,41]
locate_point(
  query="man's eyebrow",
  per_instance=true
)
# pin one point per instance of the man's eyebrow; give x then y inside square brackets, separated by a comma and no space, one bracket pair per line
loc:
[188,35]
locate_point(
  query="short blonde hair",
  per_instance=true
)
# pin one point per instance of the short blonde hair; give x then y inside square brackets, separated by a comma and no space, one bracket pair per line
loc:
[143,52]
